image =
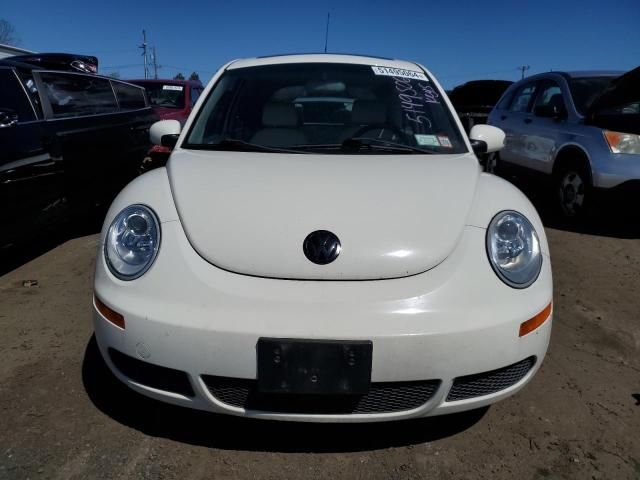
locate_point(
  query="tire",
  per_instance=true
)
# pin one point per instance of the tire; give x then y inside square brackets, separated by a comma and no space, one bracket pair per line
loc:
[573,191]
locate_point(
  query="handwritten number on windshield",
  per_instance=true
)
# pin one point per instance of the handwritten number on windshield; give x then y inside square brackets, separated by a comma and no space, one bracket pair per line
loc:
[413,96]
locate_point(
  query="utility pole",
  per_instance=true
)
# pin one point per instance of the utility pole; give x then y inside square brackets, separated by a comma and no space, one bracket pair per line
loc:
[326,33]
[155,63]
[144,53]
[523,68]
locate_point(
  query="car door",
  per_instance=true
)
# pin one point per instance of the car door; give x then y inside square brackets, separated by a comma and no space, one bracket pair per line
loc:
[100,142]
[515,122]
[136,117]
[544,132]
[31,176]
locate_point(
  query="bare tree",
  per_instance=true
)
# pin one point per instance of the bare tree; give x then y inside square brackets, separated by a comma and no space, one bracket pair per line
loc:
[194,76]
[179,76]
[8,35]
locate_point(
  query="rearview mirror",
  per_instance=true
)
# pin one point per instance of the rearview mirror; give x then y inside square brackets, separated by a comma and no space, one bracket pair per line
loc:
[486,139]
[165,133]
[550,111]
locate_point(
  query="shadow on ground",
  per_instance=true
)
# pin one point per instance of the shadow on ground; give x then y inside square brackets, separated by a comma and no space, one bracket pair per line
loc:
[613,218]
[195,427]
[49,237]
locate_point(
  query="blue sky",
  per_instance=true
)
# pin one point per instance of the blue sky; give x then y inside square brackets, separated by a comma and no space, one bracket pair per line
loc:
[457,41]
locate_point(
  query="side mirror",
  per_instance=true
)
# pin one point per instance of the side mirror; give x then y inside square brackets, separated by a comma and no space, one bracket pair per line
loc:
[486,139]
[165,133]
[8,118]
[550,111]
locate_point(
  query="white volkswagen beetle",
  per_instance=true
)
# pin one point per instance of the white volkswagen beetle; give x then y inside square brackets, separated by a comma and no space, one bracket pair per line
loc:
[322,246]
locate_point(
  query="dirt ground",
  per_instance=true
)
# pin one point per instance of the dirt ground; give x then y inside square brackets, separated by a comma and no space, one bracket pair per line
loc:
[62,415]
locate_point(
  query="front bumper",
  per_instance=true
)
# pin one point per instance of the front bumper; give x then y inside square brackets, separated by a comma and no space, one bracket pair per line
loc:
[455,320]
[611,170]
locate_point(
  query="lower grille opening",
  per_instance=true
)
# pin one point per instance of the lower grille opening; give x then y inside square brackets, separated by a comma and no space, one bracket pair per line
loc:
[151,375]
[383,397]
[486,383]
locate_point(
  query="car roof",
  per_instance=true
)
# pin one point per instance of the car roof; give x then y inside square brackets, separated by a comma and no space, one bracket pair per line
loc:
[595,73]
[322,58]
[53,61]
[29,67]
[7,62]
[575,74]
[165,81]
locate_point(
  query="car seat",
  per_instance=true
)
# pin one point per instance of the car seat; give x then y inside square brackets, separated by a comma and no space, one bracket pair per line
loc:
[281,126]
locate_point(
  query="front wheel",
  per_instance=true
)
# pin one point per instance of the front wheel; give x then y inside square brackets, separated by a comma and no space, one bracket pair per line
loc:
[574,191]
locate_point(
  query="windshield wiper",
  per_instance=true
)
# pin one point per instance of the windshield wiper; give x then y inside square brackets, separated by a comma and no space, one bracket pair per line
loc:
[357,144]
[236,145]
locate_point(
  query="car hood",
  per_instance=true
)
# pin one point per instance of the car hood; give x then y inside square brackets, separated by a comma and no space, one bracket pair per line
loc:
[395,215]
[172,114]
[622,91]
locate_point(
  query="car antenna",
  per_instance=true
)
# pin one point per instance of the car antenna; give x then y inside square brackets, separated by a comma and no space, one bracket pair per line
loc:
[326,33]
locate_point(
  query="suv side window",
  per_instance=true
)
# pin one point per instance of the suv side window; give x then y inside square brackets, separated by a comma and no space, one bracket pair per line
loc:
[13,98]
[129,97]
[522,98]
[550,94]
[74,95]
[505,101]
[195,94]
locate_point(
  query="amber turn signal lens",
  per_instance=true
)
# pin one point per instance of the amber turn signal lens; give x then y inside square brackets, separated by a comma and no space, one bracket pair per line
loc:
[111,315]
[533,323]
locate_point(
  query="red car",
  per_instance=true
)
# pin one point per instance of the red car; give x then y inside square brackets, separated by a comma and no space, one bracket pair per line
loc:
[171,100]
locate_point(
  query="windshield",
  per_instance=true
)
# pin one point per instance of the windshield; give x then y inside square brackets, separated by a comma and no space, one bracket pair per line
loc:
[325,107]
[585,90]
[164,95]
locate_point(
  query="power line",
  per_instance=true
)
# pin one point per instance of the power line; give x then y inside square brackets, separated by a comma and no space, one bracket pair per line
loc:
[115,67]
[101,52]
[477,74]
[173,67]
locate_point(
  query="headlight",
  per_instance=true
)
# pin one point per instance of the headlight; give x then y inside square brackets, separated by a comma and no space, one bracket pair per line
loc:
[514,249]
[623,142]
[132,242]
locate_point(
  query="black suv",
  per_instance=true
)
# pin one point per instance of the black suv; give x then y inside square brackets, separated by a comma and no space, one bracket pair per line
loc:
[67,139]
[474,100]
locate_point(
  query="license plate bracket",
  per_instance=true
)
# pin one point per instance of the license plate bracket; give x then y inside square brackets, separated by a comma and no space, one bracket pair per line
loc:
[320,367]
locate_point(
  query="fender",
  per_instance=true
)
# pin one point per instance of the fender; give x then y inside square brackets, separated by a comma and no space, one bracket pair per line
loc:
[570,145]
[151,189]
[493,195]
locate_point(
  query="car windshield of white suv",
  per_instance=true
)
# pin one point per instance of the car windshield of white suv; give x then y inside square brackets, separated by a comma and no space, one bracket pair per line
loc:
[326,108]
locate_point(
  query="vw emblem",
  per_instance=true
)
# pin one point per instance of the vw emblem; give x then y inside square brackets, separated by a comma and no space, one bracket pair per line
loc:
[321,247]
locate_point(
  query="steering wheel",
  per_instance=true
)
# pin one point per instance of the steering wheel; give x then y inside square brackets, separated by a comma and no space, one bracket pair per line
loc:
[368,128]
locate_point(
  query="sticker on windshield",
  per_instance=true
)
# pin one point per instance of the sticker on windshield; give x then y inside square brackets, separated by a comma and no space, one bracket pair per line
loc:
[399,72]
[444,141]
[172,87]
[427,140]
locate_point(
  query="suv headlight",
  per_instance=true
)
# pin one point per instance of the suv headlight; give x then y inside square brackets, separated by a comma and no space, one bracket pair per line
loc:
[132,242]
[514,249]
[623,142]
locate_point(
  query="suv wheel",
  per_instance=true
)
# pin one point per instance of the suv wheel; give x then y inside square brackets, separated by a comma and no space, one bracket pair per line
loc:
[573,188]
